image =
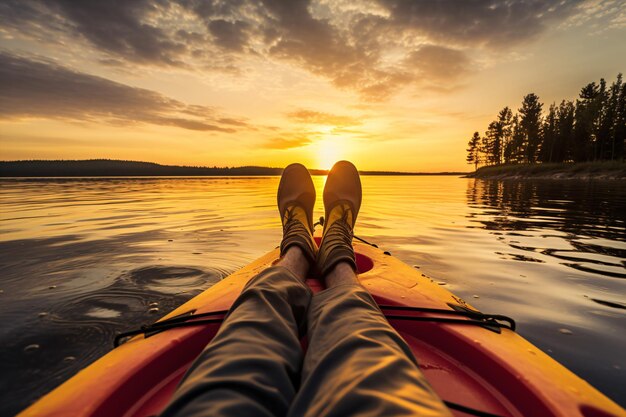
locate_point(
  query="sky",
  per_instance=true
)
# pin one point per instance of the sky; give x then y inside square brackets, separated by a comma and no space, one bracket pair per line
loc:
[388,84]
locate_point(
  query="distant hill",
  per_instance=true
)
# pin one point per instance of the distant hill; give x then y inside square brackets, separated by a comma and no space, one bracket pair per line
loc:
[118,168]
[108,167]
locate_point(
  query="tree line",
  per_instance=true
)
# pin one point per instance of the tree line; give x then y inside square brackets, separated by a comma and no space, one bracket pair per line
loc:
[591,128]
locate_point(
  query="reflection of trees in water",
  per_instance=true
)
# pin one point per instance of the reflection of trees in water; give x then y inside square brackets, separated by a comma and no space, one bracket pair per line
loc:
[578,208]
[591,208]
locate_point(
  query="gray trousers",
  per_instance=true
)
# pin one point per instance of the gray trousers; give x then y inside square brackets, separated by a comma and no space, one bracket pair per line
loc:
[355,363]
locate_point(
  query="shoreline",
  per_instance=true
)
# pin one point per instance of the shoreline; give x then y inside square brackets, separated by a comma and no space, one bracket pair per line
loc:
[610,170]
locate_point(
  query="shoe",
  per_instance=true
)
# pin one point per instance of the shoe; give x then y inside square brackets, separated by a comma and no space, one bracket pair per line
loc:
[296,198]
[342,201]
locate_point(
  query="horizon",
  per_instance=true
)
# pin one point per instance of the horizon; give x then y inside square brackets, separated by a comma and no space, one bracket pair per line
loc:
[314,171]
[389,85]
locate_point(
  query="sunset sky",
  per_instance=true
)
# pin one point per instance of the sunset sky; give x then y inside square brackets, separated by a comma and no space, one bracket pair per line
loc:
[388,84]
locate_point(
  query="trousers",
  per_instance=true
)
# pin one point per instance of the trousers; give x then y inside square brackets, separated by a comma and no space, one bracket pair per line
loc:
[355,363]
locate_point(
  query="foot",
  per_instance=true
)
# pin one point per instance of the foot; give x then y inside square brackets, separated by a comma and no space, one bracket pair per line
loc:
[342,200]
[296,198]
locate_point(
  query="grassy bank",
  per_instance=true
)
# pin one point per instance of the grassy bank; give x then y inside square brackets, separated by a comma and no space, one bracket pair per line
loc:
[583,170]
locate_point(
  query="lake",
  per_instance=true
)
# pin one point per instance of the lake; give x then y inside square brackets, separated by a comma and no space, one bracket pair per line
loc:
[82,259]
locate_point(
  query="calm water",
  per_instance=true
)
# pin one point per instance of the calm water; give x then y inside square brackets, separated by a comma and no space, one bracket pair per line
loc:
[82,259]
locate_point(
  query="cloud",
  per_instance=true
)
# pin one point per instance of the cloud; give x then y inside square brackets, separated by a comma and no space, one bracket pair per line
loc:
[287,142]
[117,28]
[229,35]
[600,15]
[372,47]
[438,64]
[496,24]
[320,118]
[36,88]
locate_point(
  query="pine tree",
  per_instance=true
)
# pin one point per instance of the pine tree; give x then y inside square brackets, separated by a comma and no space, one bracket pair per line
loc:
[610,125]
[549,135]
[530,124]
[473,150]
[486,146]
[514,151]
[491,143]
[585,117]
[505,120]
[565,132]
[603,122]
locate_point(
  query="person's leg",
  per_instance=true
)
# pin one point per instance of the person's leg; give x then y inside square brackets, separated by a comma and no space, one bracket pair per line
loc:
[252,366]
[356,363]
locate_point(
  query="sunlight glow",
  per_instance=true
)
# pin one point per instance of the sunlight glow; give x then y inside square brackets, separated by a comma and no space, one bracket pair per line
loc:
[329,151]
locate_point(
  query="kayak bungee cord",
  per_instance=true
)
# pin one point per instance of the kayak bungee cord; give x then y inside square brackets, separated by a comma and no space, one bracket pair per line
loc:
[320,222]
[178,321]
[468,410]
[488,321]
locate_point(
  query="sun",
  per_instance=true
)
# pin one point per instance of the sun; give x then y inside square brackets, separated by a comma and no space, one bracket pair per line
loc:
[329,151]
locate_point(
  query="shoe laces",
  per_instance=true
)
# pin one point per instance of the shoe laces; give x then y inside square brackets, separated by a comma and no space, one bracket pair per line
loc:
[340,231]
[292,224]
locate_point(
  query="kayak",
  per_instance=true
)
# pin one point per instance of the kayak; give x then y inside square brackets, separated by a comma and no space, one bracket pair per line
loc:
[476,362]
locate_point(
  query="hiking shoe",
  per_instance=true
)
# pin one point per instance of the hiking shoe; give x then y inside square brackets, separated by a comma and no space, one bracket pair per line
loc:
[296,198]
[342,201]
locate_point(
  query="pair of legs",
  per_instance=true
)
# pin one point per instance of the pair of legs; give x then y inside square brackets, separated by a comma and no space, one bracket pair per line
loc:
[295,261]
[355,362]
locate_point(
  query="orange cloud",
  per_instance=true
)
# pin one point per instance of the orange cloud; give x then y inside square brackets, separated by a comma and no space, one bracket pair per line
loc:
[36,88]
[320,118]
[283,143]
